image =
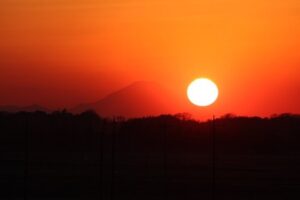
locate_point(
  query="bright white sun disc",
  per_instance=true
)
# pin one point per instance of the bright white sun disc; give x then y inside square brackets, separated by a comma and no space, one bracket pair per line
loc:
[202,92]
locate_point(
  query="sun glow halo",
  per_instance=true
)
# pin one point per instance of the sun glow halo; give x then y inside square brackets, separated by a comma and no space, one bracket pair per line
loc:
[202,92]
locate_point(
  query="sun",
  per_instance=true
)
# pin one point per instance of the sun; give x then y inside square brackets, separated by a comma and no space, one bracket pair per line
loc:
[202,92]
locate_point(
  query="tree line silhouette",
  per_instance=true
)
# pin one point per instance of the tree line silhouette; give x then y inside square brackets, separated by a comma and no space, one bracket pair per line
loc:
[85,156]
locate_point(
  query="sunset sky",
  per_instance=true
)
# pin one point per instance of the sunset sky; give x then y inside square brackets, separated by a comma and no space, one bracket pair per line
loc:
[60,53]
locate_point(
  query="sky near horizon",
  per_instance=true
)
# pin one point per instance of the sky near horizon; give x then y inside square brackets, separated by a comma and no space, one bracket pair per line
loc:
[60,53]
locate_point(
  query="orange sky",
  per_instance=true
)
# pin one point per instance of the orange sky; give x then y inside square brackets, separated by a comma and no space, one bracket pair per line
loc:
[60,53]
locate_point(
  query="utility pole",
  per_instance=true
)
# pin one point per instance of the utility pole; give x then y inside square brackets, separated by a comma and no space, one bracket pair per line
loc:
[113,152]
[26,159]
[213,159]
[165,158]
[101,136]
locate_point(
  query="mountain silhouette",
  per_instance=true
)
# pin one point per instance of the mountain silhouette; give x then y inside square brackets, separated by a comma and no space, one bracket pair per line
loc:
[30,108]
[138,99]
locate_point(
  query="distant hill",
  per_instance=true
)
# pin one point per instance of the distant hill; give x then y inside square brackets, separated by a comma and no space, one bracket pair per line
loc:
[30,108]
[136,100]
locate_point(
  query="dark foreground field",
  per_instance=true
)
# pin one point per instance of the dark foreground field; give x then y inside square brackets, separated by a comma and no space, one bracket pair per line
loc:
[63,156]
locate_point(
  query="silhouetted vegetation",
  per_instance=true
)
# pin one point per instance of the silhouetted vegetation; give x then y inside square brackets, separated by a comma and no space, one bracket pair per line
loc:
[84,156]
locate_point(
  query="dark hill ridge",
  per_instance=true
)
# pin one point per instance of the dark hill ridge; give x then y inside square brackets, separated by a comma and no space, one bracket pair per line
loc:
[139,99]
[278,134]
[84,156]
[136,100]
[30,108]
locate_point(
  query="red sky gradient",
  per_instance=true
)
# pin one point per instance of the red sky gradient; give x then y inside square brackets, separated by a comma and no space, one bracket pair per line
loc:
[60,53]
